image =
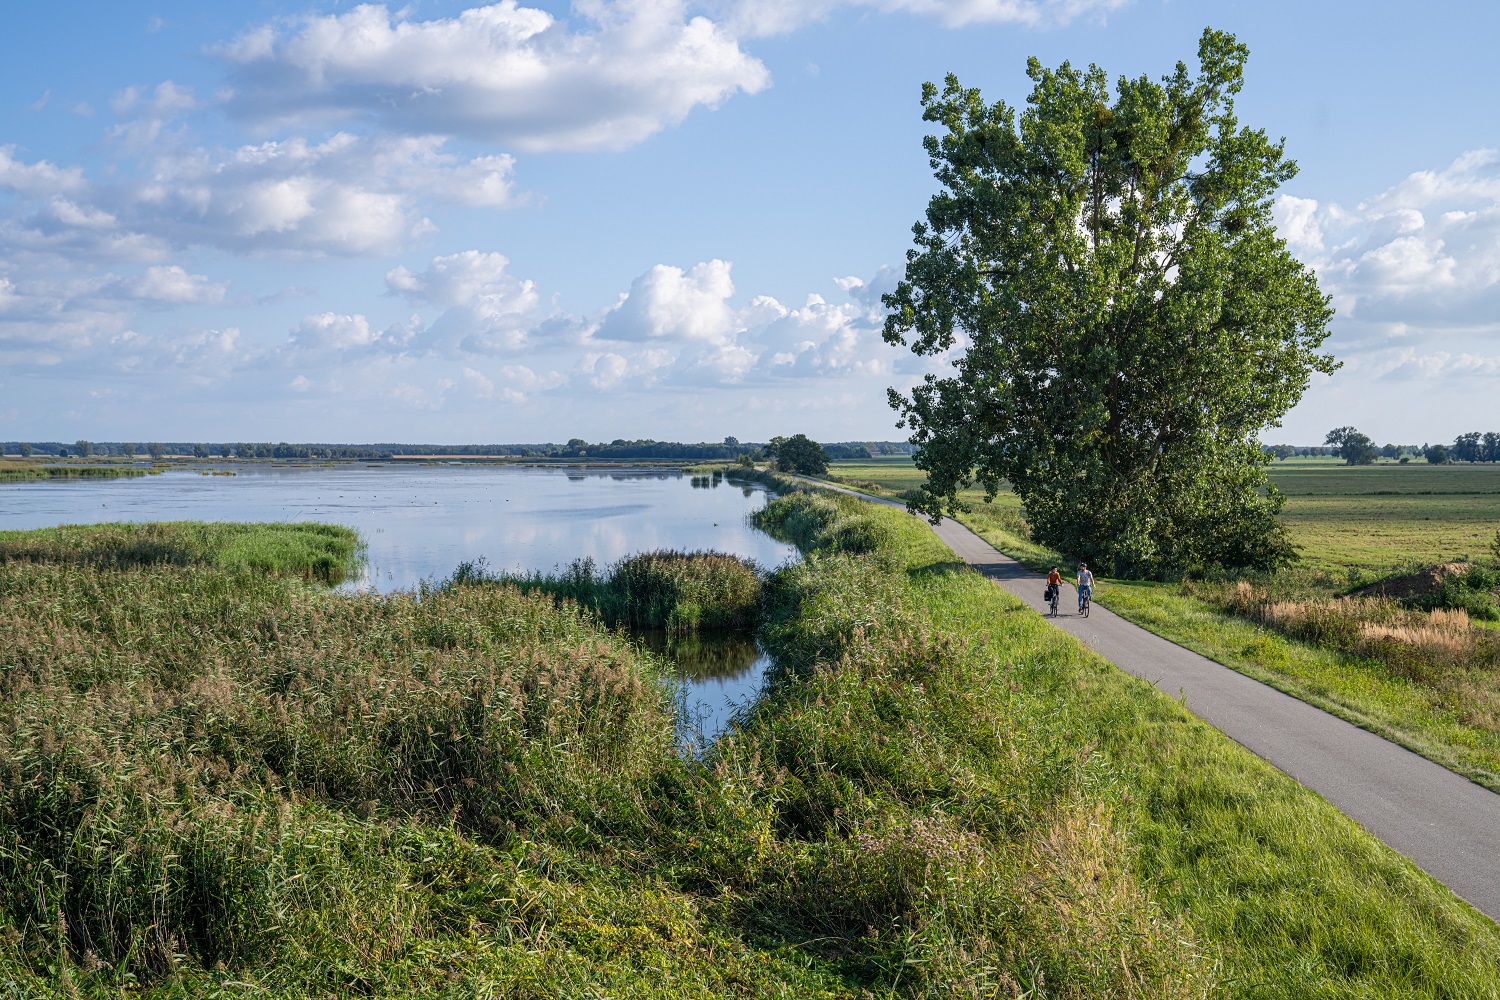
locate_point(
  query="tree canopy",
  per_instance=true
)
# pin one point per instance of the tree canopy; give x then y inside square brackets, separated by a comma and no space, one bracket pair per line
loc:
[1352,446]
[799,454]
[1122,317]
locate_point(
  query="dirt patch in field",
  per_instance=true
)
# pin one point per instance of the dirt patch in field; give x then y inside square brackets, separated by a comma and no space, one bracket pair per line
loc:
[1428,580]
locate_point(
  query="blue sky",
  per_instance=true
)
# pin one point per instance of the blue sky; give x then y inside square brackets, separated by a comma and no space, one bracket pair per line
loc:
[533,221]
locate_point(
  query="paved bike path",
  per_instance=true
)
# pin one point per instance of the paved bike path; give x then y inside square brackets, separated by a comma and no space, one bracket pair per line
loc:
[1446,824]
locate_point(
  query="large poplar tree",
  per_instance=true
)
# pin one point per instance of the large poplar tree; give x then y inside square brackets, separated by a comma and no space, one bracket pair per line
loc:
[1126,318]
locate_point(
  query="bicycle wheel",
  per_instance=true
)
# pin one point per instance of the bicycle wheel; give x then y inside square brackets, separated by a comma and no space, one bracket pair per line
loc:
[1086,602]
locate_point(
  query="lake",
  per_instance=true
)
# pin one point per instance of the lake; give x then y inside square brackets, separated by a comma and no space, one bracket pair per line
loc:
[419,522]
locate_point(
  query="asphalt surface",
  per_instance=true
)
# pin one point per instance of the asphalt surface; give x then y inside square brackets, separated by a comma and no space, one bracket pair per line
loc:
[1447,825]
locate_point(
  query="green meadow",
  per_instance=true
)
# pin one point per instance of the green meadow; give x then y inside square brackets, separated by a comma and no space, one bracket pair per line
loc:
[221,779]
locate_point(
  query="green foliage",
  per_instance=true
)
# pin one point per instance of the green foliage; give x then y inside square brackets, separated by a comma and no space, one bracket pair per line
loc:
[1436,454]
[156,450]
[1473,592]
[1133,320]
[798,454]
[682,593]
[1352,446]
[824,522]
[931,724]
[323,552]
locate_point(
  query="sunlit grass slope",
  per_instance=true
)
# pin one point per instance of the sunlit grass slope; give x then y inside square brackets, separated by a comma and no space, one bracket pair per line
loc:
[1150,834]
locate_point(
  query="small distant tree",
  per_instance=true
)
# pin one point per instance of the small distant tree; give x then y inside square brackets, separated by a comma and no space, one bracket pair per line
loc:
[127,448]
[746,461]
[1390,451]
[83,448]
[799,454]
[1490,447]
[1352,446]
[156,451]
[1436,454]
[62,453]
[731,442]
[24,448]
[200,451]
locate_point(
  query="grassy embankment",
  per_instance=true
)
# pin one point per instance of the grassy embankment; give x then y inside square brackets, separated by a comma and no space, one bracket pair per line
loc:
[234,784]
[1429,681]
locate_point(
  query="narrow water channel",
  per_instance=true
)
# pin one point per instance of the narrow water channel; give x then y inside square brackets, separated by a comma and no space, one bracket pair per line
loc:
[721,675]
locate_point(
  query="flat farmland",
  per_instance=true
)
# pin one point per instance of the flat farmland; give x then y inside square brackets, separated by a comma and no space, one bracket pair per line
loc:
[1380,517]
[1373,518]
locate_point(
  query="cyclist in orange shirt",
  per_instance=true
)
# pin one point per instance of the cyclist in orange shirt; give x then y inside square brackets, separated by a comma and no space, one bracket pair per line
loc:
[1054,583]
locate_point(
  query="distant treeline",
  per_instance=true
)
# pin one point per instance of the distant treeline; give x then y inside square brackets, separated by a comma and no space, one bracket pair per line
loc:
[1474,446]
[726,450]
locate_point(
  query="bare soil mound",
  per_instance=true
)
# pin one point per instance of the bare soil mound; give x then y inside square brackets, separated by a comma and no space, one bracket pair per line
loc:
[1428,580]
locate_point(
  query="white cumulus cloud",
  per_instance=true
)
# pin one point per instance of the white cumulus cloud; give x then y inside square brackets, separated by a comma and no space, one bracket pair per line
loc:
[668,303]
[497,73]
[486,310]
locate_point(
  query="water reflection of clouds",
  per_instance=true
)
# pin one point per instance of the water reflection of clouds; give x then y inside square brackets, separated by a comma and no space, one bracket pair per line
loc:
[419,523]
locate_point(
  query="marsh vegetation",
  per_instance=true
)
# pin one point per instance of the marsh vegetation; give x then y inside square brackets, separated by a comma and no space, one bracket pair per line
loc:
[224,780]
[677,593]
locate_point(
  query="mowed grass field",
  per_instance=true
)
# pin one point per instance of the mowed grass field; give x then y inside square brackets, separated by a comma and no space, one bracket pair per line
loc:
[1372,519]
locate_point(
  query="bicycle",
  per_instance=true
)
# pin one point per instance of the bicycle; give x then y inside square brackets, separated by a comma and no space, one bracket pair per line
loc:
[1052,601]
[1084,600]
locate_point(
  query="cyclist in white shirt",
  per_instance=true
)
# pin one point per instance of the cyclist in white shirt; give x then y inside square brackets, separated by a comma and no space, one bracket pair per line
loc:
[1085,584]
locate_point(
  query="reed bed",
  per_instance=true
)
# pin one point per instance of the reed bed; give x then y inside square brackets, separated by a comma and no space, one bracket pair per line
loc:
[12,472]
[826,522]
[323,552]
[1416,643]
[679,593]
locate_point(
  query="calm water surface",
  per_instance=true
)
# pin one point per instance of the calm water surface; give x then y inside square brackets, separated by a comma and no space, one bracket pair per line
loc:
[418,523]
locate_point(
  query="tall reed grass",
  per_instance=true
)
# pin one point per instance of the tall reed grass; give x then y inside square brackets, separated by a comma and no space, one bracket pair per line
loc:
[20,472]
[680,593]
[825,522]
[324,552]
[1440,650]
